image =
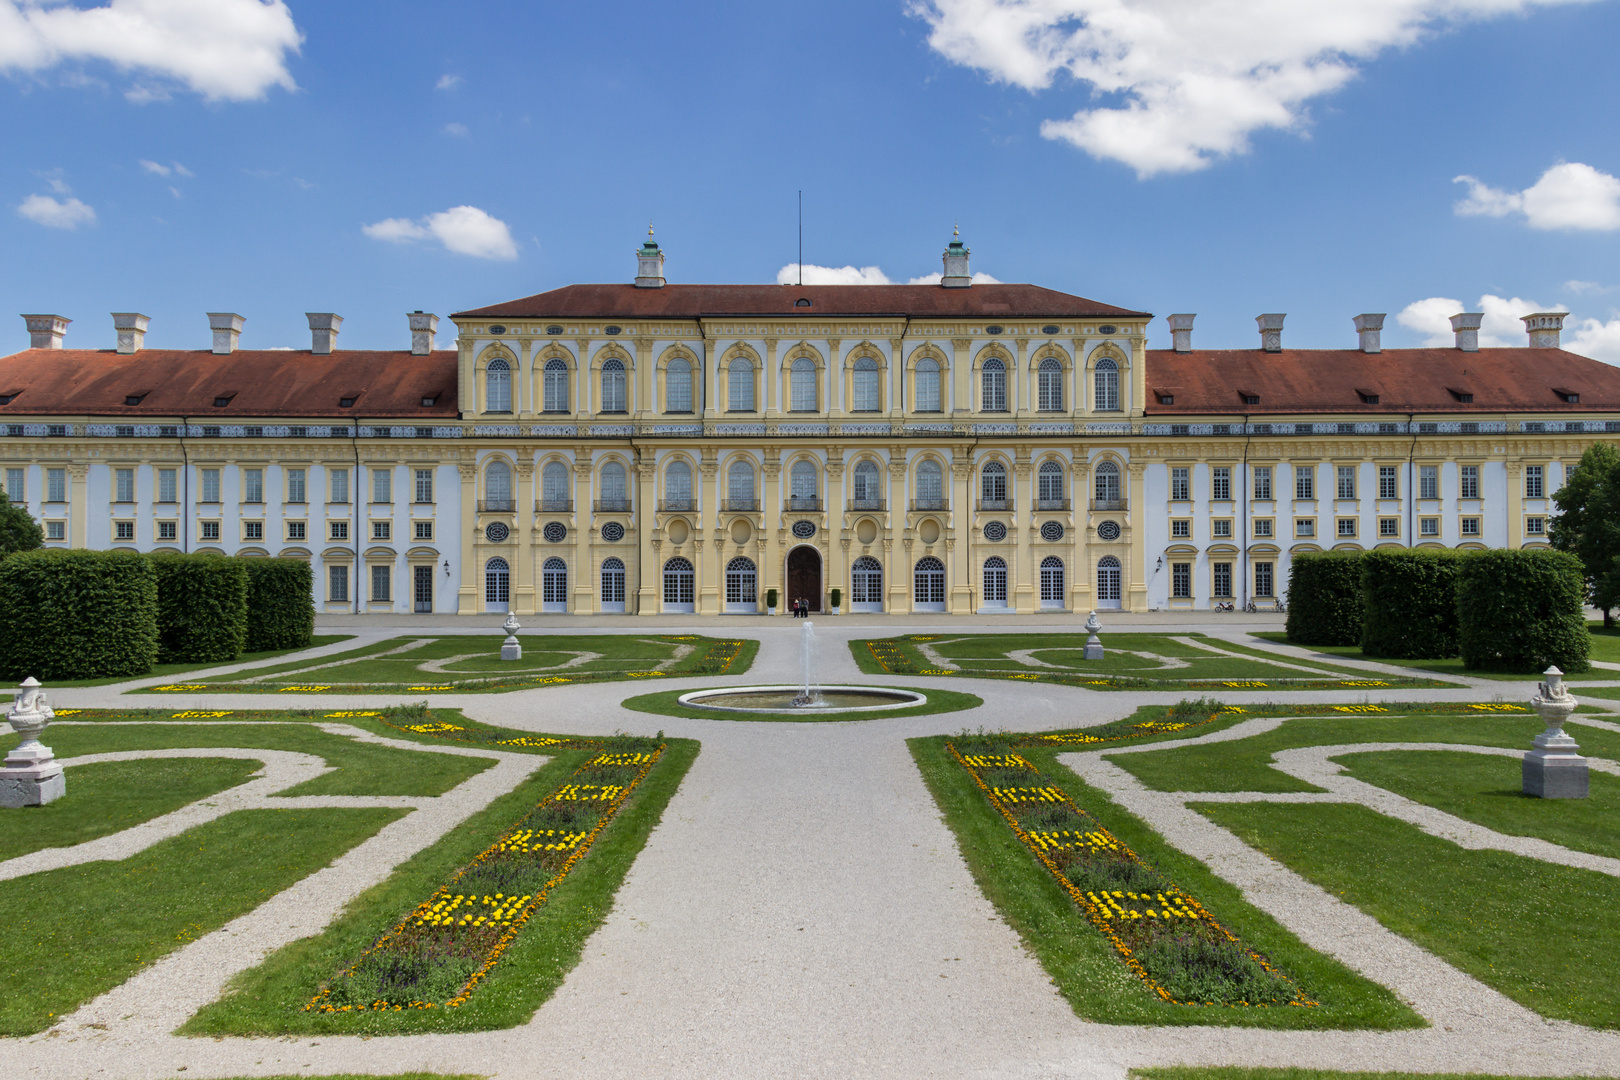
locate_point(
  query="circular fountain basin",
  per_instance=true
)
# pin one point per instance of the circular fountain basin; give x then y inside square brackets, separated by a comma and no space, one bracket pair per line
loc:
[775,699]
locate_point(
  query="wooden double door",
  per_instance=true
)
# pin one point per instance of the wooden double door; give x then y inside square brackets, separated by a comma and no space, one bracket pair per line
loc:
[804,577]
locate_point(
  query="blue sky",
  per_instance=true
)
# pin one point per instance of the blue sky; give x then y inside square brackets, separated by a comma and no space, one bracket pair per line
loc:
[181,156]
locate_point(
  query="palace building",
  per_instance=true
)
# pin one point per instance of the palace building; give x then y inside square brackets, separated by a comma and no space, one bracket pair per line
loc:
[648,447]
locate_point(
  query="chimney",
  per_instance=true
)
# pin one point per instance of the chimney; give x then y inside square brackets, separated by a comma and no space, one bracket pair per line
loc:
[1369,327]
[423,327]
[1181,331]
[1270,331]
[649,263]
[131,328]
[323,331]
[1466,326]
[227,329]
[1543,328]
[956,264]
[45,331]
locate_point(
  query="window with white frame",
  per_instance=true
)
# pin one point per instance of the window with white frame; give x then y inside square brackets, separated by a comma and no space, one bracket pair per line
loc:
[1220,575]
[802,480]
[56,485]
[1050,479]
[555,494]
[993,483]
[1304,528]
[168,530]
[424,485]
[1262,528]
[1262,482]
[339,485]
[930,482]
[678,386]
[338,530]
[1389,484]
[210,486]
[1180,484]
[868,487]
[927,381]
[613,395]
[615,487]
[1263,580]
[337,583]
[678,484]
[1181,528]
[1535,486]
[1221,528]
[382,485]
[1535,526]
[124,485]
[740,482]
[253,485]
[993,386]
[251,530]
[1049,385]
[1220,483]
[1181,580]
[56,530]
[866,388]
[1347,528]
[123,530]
[1469,477]
[1470,526]
[554,385]
[382,530]
[424,530]
[801,386]
[740,385]
[498,386]
[498,485]
[1106,486]
[1389,526]
[15,486]
[1105,396]
[297,530]
[295,487]
[208,530]
[1429,526]
[1347,481]
[382,579]
[1304,481]
[1428,481]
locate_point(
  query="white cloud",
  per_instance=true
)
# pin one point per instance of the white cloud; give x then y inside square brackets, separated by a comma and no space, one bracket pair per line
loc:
[1501,325]
[1569,195]
[447,82]
[1595,338]
[154,168]
[233,50]
[859,275]
[458,130]
[1193,79]
[56,213]
[979,278]
[464,230]
[1584,288]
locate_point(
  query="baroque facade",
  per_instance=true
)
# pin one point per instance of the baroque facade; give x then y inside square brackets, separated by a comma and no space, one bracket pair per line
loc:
[651,447]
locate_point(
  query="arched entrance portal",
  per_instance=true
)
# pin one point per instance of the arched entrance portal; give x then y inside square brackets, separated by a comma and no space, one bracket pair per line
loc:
[804,576]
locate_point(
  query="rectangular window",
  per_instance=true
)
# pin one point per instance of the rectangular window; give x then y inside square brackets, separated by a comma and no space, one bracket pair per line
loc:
[381,579]
[210,486]
[1262,580]
[1262,482]
[1221,527]
[1389,526]
[1181,580]
[1428,526]
[1181,527]
[56,485]
[123,530]
[297,530]
[1470,482]
[337,578]
[1389,486]
[340,530]
[382,485]
[1221,483]
[424,485]
[1470,526]
[1428,481]
[1304,481]
[382,530]
[14,486]
[424,530]
[253,485]
[1221,579]
[339,492]
[168,530]
[1535,526]
[1347,527]
[209,530]
[1304,528]
[1347,481]
[1180,485]
[1535,486]
[167,486]
[56,530]
[295,485]
[1262,528]
[124,485]
[253,530]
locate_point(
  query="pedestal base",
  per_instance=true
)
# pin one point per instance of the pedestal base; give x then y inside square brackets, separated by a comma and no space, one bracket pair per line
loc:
[1094,652]
[1555,776]
[31,786]
[511,652]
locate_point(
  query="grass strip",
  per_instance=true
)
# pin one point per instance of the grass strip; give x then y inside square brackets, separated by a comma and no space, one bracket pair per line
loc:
[1452,666]
[166,670]
[667,703]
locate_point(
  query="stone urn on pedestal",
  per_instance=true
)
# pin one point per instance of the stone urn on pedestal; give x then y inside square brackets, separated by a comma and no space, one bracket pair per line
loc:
[31,776]
[1555,768]
[1094,647]
[510,649]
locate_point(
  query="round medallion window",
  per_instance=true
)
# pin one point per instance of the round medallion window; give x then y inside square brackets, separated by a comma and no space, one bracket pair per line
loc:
[613,532]
[496,532]
[554,532]
[1052,531]
[995,530]
[1108,530]
[804,530]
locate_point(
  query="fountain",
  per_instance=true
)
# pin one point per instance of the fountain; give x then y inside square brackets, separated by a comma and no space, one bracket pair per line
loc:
[808,695]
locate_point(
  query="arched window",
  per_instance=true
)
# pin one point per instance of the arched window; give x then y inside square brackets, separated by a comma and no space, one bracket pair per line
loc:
[928,585]
[995,581]
[678,386]
[1106,398]
[926,398]
[554,585]
[1051,486]
[554,493]
[802,479]
[680,585]
[615,488]
[868,492]
[1049,396]
[993,486]
[1107,486]
[555,377]
[497,585]
[613,386]
[740,486]
[866,585]
[802,385]
[1051,582]
[867,397]
[930,486]
[498,386]
[1108,595]
[742,585]
[612,584]
[678,486]
[498,486]
[993,382]
[740,385]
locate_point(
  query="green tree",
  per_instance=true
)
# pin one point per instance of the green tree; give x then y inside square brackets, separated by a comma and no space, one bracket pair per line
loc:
[18,529]
[1588,524]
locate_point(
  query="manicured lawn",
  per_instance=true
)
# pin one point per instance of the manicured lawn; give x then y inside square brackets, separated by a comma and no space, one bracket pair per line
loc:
[1605,643]
[1452,666]
[469,663]
[164,670]
[1489,913]
[668,704]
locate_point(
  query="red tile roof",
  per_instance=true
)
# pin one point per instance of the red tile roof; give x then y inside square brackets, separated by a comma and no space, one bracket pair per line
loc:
[1404,380]
[269,383]
[694,301]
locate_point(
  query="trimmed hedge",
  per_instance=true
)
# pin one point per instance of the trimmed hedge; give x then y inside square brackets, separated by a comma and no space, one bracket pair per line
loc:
[1325,605]
[202,608]
[1519,611]
[281,604]
[1411,603]
[77,615]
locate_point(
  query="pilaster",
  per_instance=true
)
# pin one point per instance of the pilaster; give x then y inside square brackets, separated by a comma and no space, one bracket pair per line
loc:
[1135,558]
[523,535]
[79,507]
[1025,599]
[582,589]
[772,574]
[961,377]
[1080,563]
[894,580]
[648,576]
[773,381]
[710,581]
[472,575]
[959,556]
